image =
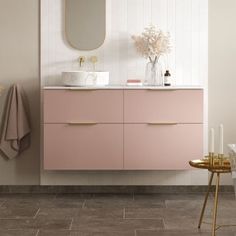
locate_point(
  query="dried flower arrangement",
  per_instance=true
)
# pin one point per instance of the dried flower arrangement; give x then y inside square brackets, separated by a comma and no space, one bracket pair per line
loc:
[152,43]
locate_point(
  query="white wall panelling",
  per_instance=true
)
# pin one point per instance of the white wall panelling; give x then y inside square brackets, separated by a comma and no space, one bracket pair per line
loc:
[186,20]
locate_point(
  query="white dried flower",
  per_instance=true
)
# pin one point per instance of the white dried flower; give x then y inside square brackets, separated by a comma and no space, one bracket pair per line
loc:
[152,43]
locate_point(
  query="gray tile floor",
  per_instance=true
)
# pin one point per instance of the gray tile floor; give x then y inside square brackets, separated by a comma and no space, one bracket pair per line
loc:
[111,215]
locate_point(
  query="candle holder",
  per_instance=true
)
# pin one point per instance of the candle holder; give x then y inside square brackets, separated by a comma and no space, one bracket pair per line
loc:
[217,161]
[216,164]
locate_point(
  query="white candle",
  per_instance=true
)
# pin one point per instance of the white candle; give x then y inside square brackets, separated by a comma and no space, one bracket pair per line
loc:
[212,140]
[221,149]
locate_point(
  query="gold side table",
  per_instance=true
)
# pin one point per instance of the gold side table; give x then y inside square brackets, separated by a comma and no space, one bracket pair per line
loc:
[214,166]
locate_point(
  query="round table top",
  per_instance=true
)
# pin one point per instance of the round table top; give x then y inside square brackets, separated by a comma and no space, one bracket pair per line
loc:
[217,167]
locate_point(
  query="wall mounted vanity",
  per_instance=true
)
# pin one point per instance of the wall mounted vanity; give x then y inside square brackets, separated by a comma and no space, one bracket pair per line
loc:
[122,128]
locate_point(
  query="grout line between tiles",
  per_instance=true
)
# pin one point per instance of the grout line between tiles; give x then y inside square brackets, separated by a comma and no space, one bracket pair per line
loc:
[36,213]
[164,224]
[165,204]
[2,204]
[37,233]
[72,220]
[83,205]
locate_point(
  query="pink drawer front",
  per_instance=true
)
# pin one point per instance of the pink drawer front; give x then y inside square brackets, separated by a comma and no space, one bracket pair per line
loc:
[102,106]
[183,106]
[83,147]
[162,147]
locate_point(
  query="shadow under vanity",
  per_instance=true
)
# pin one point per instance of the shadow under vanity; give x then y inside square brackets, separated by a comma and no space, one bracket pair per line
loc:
[122,128]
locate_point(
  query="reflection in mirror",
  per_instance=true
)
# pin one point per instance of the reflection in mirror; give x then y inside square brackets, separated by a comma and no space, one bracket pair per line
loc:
[85,23]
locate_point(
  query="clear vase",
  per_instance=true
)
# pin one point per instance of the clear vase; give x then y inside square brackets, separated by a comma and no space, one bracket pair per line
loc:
[153,74]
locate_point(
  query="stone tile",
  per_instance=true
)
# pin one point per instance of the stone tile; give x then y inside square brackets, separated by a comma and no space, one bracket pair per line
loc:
[179,233]
[191,207]
[109,201]
[227,203]
[44,203]
[2,201]
[16,212]
[184,222]
[54,233]
[51,224]
[74,196]
[103,214]
[92,213]
[118,201]
[176,196]
[82,233]
[227,196]
[123,233]
[65,203]
[114,225]
[143,213]
[187,204]
[18,232]
[222,213]
[155,202]
[100,213]
[57,213]
[150,213]
[27,196]
[113,196]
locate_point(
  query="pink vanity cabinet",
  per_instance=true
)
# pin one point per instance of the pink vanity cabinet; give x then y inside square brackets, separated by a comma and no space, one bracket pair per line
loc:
[83,129]
[122,129]
[163,129]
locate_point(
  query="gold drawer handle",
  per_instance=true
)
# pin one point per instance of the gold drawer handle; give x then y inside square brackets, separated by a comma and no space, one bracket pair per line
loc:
[162,123]
[82,123]
[82,89]
[162,90]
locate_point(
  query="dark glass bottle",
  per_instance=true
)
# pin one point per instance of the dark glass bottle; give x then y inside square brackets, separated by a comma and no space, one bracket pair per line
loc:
[167,78]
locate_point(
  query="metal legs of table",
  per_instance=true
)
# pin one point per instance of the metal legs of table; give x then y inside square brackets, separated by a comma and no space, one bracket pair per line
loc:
[215,203]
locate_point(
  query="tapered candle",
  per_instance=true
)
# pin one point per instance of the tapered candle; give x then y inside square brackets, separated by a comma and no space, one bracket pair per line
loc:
[221,149]
[212,140]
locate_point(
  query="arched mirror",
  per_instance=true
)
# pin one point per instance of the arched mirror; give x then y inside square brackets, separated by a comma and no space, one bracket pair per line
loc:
[85,23]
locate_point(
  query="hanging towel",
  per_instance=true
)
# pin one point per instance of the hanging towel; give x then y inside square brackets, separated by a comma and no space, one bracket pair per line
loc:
[15,133]
[232,155]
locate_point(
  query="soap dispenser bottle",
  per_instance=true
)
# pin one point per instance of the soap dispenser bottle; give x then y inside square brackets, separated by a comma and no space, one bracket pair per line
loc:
[167,78]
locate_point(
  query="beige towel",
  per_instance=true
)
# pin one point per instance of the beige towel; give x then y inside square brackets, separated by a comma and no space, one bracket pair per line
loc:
[15,135]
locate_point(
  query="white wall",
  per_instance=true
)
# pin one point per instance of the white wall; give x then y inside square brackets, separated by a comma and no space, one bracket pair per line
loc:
[19,63]
[222,69]
[187,21]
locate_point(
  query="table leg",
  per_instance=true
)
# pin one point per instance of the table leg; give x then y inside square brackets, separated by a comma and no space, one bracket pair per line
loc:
[215,205]
[205,201]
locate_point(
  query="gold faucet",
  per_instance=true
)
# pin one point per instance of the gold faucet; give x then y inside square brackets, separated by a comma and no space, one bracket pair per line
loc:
[93,60]
[81,60]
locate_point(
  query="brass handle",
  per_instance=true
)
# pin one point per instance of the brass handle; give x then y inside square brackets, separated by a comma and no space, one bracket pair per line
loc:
[162,123]
[158,89]
[82,123]
[82,89]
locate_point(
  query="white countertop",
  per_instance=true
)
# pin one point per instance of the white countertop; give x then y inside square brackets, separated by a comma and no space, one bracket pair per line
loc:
[182,87]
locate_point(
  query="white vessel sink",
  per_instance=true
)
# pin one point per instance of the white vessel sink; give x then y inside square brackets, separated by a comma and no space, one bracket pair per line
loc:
[85,78]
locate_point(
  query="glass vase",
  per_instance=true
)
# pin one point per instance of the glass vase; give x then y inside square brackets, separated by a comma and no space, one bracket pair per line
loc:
[153,74]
